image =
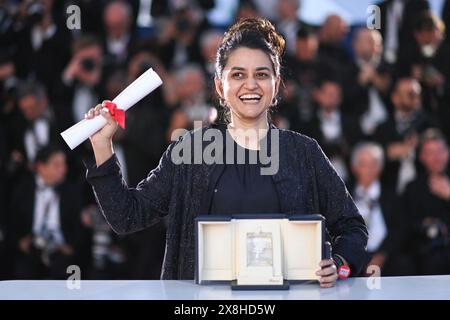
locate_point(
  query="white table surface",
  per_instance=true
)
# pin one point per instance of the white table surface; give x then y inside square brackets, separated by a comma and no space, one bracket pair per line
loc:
[424,287]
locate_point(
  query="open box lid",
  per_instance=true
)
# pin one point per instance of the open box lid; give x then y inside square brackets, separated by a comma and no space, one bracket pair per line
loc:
[299,241]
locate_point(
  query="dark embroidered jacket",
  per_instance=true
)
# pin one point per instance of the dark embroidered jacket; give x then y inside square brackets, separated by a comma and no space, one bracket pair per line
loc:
[306,184]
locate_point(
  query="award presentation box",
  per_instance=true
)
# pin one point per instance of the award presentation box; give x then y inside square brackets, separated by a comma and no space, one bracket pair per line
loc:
[254,251]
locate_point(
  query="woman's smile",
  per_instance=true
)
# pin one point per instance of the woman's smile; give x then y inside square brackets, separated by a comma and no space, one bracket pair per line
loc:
[250,98]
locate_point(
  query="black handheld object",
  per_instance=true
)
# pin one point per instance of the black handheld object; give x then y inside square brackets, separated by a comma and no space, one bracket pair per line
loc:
[326,250]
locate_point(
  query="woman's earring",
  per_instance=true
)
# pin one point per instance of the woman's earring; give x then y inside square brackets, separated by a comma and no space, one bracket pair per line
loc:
[222,102]
[274,101]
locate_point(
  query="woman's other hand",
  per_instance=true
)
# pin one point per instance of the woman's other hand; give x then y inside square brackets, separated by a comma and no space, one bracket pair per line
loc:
[328,273]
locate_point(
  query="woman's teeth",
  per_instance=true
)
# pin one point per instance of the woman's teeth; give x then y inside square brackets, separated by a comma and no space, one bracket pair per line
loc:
[250,97]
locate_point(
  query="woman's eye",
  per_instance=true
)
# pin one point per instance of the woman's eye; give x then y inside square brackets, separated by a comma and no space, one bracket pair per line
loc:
[262,75]
[237,75]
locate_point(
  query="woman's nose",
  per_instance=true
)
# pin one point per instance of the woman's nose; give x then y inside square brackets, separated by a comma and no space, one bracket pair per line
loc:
[251,83]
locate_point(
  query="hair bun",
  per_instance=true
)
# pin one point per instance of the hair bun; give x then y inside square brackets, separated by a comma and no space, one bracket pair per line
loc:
[261,26]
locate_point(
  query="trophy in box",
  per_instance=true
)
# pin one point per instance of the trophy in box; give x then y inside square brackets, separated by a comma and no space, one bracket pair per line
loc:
[259,251]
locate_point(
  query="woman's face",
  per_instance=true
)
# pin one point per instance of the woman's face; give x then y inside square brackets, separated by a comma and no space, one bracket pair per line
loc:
[248,84]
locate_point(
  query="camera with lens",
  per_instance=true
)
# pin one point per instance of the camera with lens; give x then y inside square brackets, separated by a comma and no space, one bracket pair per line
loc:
[144,66]
[10,86]
[88,64]
[183,24]
[434,234]
[182,21]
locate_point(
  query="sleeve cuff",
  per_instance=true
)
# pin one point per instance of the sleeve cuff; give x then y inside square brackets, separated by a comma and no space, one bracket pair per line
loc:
[355,257]
[110,166]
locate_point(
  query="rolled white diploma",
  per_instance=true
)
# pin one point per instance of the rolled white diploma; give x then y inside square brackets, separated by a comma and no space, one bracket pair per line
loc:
[131,95]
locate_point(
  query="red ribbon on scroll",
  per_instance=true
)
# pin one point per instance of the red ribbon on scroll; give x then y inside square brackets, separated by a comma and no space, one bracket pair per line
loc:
[116,113]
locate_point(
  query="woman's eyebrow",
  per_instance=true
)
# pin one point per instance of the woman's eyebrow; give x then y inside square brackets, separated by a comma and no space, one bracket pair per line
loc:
[257,69]
[238,68]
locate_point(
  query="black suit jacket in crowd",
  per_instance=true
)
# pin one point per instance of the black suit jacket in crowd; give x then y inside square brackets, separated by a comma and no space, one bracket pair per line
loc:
[419,203]
[22,212]
[356,96]
[47,63]
[17,126]
[387,133]
[351,134]
[412,9]
[395,240]
[63,103]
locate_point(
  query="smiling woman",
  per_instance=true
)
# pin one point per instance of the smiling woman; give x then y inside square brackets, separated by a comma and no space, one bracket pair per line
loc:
[247,81]
[248,72]
[248,86]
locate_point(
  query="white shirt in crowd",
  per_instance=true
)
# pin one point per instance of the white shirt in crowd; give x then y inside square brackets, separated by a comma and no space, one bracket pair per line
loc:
[84,98]
[331,127]
[46,216]
[330,124]
[37,136]
[393,20]
[407,170]
[368,203]
[118,47]
[38,36]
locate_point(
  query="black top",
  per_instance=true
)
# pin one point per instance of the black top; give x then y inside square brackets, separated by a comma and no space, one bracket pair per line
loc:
[243,189]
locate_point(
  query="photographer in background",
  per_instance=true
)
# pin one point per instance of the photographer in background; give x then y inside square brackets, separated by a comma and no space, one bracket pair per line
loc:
[81,84]
[29,129]
[398,134]
[426,59]
[336,131]
[81,79]
[41,45]
[118,34]
[46,219]
[426,204]
[180,39]
[368,80]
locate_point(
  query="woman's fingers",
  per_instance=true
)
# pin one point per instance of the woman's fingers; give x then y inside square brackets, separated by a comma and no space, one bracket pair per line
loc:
[326,262]
[105,134]
[328,282]
[328,273]
[329,278]
[93,112]
[99,109]
[327,266]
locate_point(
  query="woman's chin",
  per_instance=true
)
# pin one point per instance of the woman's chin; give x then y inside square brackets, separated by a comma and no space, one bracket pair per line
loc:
[251,109]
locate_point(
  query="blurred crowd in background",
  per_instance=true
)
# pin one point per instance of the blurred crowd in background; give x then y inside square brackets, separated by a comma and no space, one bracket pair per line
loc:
[377,101]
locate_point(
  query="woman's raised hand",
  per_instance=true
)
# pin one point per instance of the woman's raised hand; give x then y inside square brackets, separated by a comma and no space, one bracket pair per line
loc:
[103,136]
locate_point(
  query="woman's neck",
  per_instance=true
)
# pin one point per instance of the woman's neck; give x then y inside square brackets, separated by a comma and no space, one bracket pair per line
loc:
[248,134]
[238,123]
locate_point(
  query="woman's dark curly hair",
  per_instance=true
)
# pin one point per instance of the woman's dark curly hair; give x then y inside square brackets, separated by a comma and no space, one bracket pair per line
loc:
[253,33]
